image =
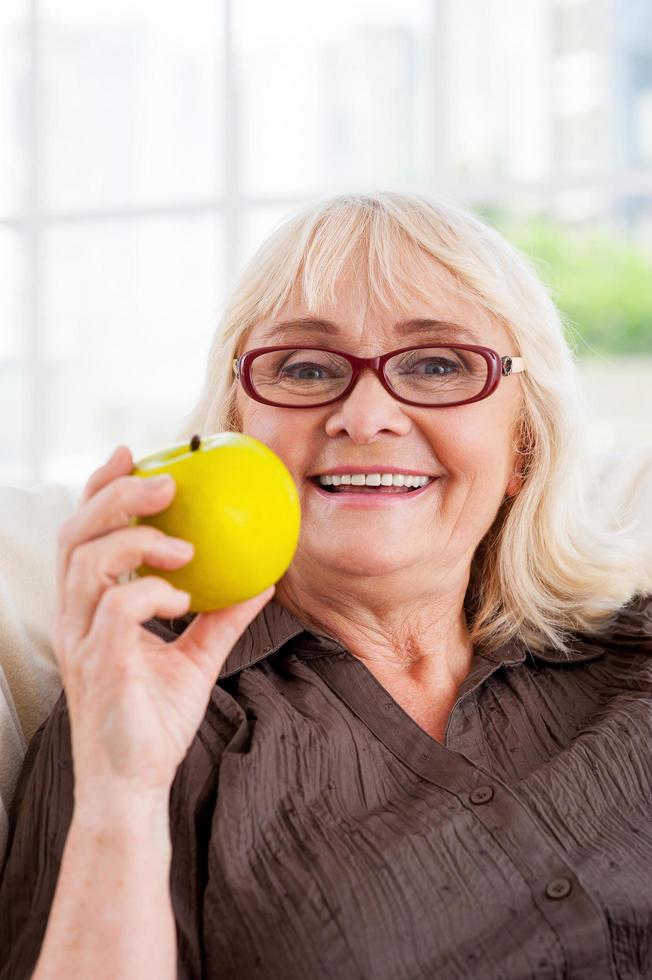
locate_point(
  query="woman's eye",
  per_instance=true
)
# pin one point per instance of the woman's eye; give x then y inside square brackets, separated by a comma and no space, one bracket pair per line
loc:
[439,366]
[315,368]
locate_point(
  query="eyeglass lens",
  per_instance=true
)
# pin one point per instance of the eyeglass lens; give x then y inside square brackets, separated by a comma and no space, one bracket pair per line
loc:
[433,376]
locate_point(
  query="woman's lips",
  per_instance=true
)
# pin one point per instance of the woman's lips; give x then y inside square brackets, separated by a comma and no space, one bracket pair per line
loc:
[370,497]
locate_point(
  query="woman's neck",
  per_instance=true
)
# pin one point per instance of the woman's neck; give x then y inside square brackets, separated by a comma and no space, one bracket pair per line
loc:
[423,646]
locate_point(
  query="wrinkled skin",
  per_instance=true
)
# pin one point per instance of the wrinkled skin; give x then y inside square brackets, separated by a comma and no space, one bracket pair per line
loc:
[390,582]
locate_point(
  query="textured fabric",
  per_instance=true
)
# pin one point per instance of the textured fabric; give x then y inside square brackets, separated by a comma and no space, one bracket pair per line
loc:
[319,832]
[29,674]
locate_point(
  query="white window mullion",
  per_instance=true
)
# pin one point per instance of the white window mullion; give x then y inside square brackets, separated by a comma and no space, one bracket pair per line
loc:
[233,205]
[38,391]
[438,76]
[609,31]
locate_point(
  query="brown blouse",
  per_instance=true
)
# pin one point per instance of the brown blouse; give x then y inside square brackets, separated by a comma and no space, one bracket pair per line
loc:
[319,832]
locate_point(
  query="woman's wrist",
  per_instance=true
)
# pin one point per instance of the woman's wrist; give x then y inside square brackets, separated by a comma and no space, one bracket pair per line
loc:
[112,913]
[118,812]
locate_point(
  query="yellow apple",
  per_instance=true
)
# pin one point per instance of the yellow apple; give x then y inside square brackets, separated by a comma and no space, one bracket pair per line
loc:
[237,503]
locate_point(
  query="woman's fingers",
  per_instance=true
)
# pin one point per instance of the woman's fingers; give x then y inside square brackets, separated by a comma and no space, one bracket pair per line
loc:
[116,628]
[120,462]
[109,508]
[135,701]
[125,607]
[95,566]
[211,636]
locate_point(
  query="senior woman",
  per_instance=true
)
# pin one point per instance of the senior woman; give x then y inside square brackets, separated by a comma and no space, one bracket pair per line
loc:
[428,755]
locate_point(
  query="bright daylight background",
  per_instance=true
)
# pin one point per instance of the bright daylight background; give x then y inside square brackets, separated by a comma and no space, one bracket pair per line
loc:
[147,148]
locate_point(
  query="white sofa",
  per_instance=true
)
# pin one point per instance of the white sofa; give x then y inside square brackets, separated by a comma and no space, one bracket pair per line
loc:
[29,523]
[29,679]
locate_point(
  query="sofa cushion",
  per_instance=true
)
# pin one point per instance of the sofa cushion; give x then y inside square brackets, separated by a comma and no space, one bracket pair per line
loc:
[29,678]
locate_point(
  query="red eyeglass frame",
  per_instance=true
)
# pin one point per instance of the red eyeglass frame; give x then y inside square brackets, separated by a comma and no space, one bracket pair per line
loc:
[498,367]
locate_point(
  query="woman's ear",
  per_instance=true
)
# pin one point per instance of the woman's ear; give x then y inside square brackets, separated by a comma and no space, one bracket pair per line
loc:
[522,457]
[514,485]
[516,479]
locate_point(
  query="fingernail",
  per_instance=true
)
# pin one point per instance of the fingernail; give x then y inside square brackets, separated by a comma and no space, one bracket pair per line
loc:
[156,482]
[180,546]
[113,456]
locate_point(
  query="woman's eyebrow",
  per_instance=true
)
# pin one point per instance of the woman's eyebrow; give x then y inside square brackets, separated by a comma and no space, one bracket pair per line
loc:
[403,327]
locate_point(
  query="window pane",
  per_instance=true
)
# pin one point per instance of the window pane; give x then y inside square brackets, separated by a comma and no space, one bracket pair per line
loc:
[258,224]
[14,135]
[636,217]
[618,400]
[598,269]
[559,87]
[527,89]
[130,310]
[12,294]
[633,64]
[495,98]
[333,93]
[132,101]
[14,417]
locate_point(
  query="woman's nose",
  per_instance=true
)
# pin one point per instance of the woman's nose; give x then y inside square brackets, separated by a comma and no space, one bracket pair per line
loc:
[367,409]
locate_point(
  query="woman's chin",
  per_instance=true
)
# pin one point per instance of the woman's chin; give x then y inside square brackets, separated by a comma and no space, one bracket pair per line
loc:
[367,557]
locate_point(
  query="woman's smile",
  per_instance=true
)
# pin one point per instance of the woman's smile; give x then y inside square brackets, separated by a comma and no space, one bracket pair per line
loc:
[370,496]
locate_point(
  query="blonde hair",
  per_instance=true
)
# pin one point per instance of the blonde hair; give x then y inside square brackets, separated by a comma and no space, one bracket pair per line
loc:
[551,564]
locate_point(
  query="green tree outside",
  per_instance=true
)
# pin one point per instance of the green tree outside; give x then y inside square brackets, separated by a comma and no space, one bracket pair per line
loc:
[601,281]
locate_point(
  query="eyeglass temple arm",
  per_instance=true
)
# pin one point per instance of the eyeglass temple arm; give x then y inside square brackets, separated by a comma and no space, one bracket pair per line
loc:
[513,365]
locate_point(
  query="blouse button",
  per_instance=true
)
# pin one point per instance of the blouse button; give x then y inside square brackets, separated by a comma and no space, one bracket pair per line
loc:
[558,888]
[481,794]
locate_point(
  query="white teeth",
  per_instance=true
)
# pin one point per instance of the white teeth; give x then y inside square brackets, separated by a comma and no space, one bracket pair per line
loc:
[374,480]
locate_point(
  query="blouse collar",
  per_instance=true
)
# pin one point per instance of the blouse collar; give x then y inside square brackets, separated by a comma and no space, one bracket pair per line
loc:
[274,626]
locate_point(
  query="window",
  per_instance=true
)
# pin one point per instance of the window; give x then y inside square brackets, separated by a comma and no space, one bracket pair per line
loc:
[150,148]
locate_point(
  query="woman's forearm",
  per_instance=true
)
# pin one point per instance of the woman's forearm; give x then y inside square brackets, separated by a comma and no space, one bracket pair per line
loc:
[112,914]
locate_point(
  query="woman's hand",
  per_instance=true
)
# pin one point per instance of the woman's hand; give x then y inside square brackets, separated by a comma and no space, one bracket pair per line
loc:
[135,701]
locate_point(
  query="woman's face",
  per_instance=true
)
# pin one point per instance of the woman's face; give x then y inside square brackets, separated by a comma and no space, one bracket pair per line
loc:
[468,448]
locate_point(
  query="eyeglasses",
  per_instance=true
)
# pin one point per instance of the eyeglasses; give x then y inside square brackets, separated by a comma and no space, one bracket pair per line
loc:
[428,376]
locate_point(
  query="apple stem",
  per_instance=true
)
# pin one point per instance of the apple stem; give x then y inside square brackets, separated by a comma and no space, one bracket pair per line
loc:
[195,443]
